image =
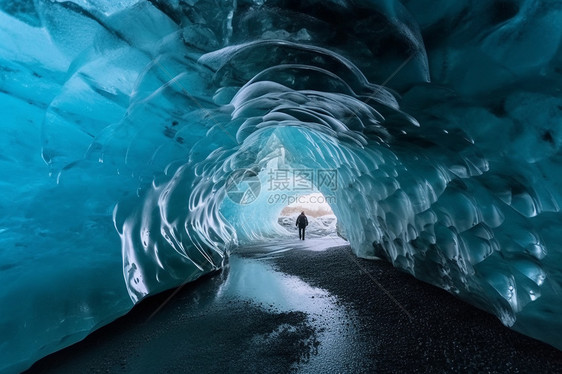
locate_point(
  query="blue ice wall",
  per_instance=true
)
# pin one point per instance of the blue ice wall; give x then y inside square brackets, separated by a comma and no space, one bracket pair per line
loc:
[125,124]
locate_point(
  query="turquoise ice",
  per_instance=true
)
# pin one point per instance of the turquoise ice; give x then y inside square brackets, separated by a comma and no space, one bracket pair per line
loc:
[141,139]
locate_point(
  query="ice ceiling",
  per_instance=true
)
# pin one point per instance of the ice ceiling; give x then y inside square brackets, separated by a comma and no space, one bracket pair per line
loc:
[123,123]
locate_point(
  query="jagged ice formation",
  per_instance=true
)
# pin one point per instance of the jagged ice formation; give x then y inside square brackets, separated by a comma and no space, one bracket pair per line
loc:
[125,124]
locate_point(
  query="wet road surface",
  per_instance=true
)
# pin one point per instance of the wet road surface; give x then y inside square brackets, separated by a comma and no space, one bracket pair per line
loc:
[306,307]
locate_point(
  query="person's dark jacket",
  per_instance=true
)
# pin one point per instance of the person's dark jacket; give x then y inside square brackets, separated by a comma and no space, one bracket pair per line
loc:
[302,221]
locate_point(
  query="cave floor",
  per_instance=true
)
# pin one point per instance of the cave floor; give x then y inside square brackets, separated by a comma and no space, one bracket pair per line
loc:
[304,307]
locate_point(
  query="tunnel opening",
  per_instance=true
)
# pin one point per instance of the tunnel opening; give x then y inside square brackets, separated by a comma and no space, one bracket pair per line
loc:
[263,205]
[322,222]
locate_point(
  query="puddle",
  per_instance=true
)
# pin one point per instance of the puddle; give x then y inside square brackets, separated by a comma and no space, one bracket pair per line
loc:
[257,281]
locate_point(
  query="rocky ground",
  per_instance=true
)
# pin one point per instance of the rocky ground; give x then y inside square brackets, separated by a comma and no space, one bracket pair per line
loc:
[418,328]
[305,311]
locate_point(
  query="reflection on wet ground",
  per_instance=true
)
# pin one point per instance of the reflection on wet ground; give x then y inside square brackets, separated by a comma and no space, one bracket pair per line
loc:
[256,279]
[249,318]
[306,307]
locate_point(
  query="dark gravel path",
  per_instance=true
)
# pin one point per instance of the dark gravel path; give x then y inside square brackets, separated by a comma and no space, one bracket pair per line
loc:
[192,333]
[443,335]
[202,330]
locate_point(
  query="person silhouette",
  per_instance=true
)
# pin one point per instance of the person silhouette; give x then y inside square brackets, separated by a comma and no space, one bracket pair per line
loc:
[302,222]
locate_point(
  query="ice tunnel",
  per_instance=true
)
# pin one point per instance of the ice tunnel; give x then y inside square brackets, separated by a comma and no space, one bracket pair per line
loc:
[141,139]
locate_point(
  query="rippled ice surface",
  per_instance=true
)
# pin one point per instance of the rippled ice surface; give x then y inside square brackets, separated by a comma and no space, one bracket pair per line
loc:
[125,123]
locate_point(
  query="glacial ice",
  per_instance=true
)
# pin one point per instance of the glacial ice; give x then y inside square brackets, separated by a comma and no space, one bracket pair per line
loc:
[124,123]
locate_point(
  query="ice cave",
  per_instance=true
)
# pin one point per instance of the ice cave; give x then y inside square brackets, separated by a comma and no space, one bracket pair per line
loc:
[140,139]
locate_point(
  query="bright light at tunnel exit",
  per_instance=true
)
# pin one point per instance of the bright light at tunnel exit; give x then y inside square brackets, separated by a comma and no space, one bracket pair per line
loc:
[314,204]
